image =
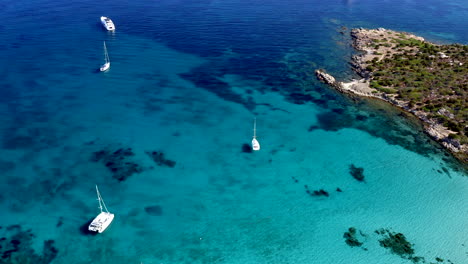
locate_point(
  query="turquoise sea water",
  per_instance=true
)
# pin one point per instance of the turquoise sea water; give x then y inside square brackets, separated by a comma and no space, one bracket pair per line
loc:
[187,79]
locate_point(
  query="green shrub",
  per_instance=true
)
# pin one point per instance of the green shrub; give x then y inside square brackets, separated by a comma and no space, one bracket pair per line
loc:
[375,84]
[388,90]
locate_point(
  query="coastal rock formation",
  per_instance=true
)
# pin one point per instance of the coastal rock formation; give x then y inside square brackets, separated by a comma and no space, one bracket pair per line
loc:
[326,78]
[359,87]
[423,78]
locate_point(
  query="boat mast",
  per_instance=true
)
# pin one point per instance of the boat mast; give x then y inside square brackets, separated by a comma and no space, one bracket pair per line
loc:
[101,201]
[99,198]
[255,128]
[106,55]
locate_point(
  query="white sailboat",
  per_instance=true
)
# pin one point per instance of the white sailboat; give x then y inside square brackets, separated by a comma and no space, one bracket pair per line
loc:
[255,144]
[106,65]
[102,220]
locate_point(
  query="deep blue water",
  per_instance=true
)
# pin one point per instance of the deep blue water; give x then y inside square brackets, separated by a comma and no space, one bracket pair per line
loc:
[163,132]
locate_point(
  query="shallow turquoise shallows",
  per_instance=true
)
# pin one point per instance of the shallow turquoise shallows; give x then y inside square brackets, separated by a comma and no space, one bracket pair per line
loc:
[165,133]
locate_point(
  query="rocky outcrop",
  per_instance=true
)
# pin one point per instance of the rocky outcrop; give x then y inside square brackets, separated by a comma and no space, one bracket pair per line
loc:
[325,77]
[364,40]
[359,87]
[442,135]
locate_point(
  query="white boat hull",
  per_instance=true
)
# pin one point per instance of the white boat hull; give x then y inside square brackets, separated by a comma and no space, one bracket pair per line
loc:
[107,23]
[105,66]
[255,144]
[101,222]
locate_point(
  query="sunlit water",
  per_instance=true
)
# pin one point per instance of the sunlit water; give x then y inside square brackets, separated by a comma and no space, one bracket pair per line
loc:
[187,79]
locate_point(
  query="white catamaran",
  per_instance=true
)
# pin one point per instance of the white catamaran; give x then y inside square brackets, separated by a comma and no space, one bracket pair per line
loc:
[255,144]
[103,220]
[106,65]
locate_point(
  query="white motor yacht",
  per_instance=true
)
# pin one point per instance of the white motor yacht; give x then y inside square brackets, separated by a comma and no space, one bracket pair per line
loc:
[107,23]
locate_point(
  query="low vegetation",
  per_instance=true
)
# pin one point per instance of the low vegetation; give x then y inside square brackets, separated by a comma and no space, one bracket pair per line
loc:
[428,77]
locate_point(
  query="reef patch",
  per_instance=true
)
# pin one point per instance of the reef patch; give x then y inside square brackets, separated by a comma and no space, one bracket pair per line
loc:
[356,172]
[318,193]
[159,158]
[16,247]
[118,162]
[352,237]
[154,210]
[396,242]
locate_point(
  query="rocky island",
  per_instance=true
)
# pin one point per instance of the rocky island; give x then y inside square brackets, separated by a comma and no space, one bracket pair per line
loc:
[423,78]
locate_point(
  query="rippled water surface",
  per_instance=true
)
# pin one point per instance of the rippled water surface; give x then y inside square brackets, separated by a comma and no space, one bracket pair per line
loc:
[165,134]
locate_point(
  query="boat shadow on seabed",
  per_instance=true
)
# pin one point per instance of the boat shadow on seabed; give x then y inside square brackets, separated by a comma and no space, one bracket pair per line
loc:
[84,229]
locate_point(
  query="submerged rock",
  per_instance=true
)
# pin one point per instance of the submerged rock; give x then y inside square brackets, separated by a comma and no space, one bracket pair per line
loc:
[361,117]
[121,171]
[320,192]
[59,222]
[338,110]
[154,210]
[351,237]
[300,98]
[331,121]
[312,128]
[160,160]
[205,78]
[356,172]
[18,247]
[118,162]
[396,242]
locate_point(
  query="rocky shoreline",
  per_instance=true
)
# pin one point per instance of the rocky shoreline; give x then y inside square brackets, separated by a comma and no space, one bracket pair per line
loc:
[363,40]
